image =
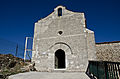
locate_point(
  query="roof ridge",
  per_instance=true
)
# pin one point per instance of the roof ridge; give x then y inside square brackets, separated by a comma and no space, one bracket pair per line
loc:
[108,42]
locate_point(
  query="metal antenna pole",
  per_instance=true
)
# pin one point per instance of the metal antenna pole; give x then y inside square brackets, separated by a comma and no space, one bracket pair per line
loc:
[25,48]
[16,50]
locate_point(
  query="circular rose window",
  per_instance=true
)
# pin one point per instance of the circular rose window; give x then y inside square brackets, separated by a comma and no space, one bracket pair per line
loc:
[60,32]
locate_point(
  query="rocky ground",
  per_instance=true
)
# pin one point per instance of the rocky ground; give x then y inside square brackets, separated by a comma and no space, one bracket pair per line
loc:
[10,65]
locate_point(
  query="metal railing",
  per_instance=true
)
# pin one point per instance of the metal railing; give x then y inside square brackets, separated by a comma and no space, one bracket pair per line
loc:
[103,70]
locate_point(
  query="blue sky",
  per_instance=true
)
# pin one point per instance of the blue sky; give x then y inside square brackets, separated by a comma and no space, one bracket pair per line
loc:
[17,17]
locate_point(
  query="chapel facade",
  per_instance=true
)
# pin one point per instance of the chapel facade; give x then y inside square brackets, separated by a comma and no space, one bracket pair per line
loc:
[62,42]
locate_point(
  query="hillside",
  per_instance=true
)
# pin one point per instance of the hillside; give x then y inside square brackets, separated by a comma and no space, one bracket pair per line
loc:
[10,65]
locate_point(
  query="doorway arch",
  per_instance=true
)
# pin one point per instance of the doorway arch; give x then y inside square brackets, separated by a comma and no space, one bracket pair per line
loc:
[59,59]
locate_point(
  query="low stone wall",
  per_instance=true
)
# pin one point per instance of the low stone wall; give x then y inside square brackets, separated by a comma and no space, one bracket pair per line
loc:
[108,51]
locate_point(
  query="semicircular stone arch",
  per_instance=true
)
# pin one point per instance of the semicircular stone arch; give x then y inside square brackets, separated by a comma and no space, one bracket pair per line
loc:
[63,46]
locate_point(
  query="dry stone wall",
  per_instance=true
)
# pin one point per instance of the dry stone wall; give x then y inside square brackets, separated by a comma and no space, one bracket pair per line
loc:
[108,51]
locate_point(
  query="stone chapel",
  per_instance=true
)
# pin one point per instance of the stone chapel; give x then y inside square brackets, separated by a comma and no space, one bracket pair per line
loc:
[62,42]
[64,48]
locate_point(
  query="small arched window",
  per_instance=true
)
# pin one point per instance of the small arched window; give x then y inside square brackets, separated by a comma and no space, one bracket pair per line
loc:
[60,12]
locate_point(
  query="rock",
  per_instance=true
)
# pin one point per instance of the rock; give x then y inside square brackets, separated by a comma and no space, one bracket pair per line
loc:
[10,64]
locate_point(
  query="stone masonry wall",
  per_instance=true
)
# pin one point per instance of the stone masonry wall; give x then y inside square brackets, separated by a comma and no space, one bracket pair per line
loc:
[76,41]
[108,51]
